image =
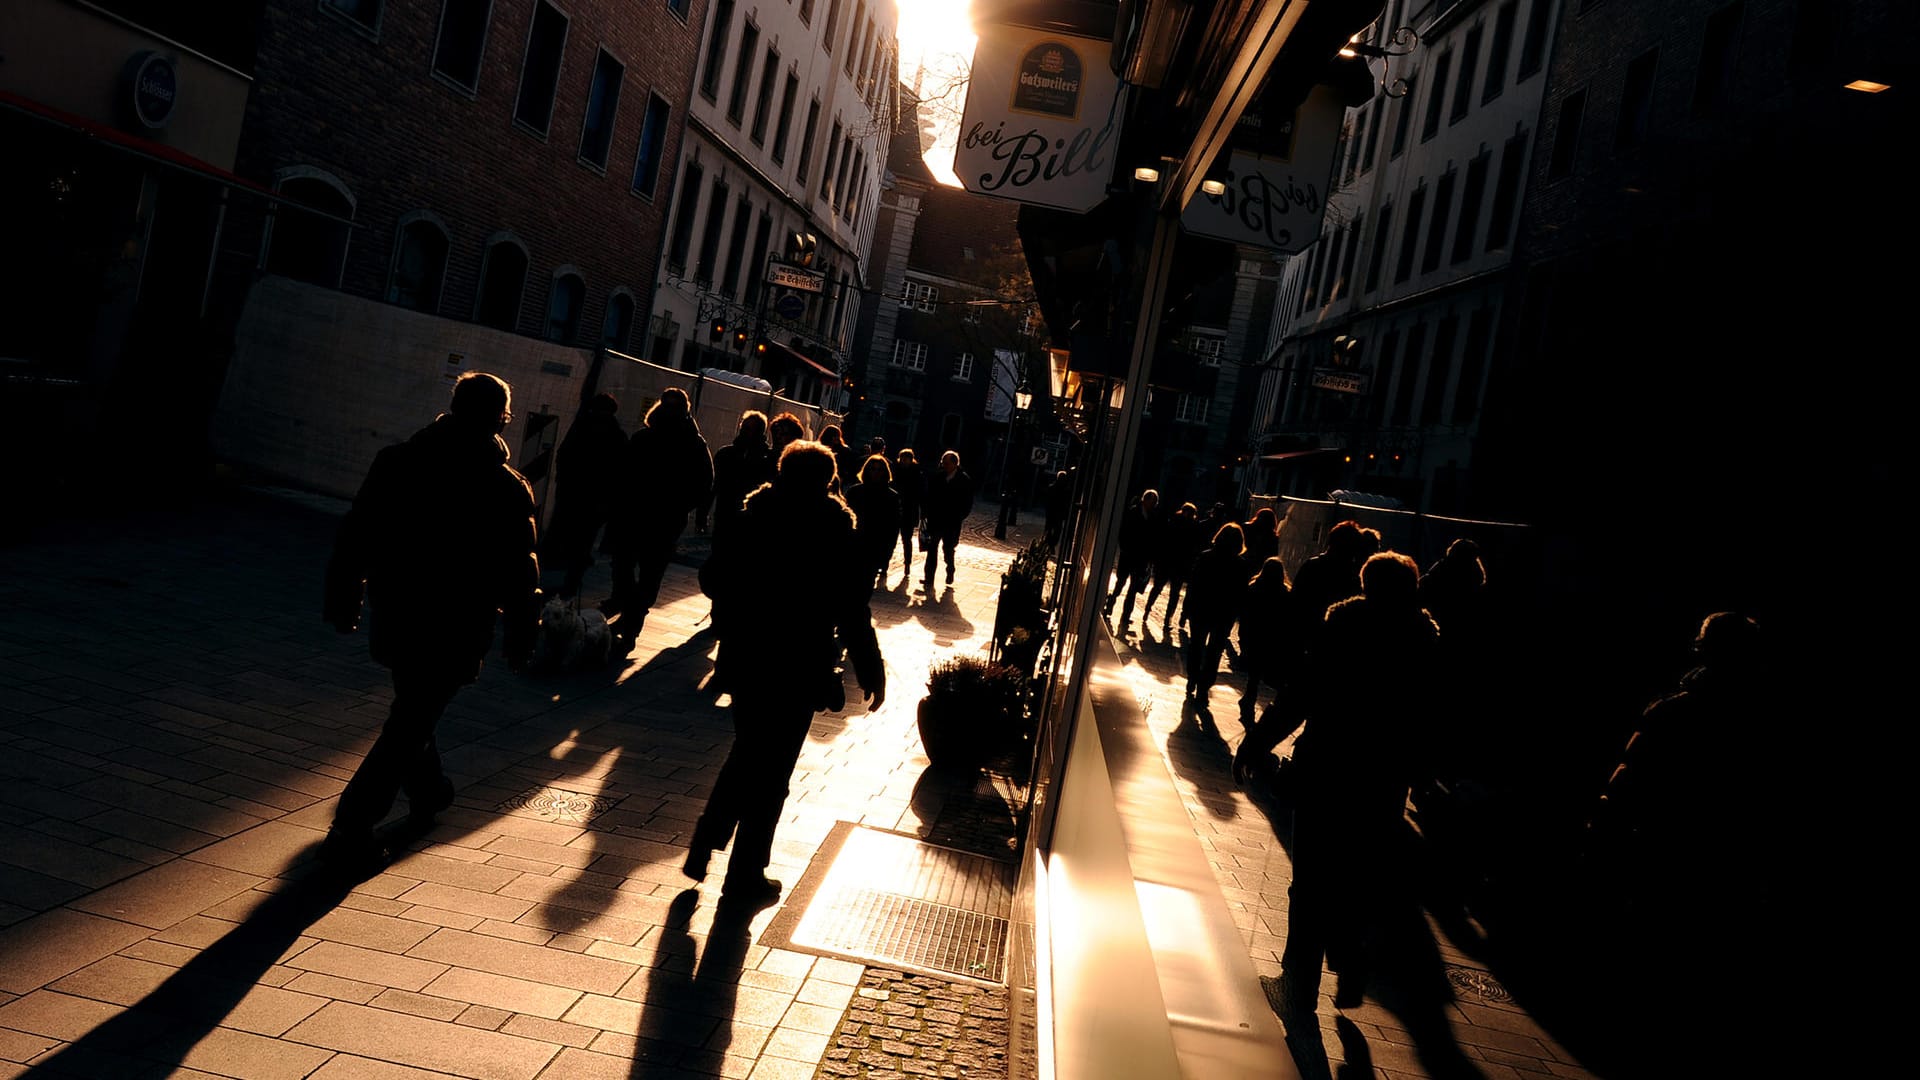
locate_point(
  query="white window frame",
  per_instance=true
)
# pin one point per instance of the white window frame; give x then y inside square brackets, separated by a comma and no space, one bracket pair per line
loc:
[1208,348]
[911,355]
[919,296]
[963,368]
[1191,409]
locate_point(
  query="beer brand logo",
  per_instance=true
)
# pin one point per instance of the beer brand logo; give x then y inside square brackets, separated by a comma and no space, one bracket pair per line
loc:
[1048,82]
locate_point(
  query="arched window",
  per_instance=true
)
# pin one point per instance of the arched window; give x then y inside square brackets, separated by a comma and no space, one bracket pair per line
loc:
[503,277]
[617,326]
[565,296]
[309,246]
[419,264]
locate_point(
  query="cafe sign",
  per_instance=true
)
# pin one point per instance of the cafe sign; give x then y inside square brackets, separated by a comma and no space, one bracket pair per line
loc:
[1042,119]
[1277,179]
[793,277]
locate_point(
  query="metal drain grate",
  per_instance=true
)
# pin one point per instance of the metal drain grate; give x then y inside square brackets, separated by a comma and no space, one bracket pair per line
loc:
[890,899]
[555,804]
[911,933]
[1478,983]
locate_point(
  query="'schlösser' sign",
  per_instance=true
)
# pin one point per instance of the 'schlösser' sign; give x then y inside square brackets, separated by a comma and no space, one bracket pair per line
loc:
[1042,121]
[1275,202]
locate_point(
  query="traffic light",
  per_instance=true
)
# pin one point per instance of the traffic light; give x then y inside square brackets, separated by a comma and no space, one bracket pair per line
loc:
[716,330]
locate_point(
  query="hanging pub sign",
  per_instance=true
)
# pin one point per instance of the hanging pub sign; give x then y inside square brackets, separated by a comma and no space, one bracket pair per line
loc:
[1042,119]
[1277,178]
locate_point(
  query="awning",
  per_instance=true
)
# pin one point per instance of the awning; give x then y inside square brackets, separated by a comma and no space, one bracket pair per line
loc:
[795,355]
[1286,455]
[157,152]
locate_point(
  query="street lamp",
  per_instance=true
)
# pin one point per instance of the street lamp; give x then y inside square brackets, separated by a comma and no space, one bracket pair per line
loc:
[1022,401]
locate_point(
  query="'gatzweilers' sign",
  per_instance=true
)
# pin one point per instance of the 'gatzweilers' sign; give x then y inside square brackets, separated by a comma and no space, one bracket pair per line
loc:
[1042,120]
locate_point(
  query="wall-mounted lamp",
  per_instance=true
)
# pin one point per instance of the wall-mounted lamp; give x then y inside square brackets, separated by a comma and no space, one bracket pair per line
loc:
[1399,43]
[1147,173]
[1215,188]
[1866,86]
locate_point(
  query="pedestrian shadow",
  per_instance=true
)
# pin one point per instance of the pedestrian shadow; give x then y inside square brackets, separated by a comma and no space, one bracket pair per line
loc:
[154,1035]
[692,992]
[1200,755]
[940,613]
[964,808]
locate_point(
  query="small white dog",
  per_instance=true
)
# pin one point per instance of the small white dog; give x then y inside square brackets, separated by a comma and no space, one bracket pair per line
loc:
[594,647]
[561,630]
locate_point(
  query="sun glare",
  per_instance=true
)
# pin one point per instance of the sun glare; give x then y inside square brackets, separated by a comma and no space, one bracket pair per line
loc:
[936,45]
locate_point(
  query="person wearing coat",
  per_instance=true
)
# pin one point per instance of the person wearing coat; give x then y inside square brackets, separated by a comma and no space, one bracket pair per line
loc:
[876,510]
[1214,596]
[1263,539]
[586,481]
[1140,531]
[911,483]
[739,468]
[439,547]
[949,500]
[1269,635]
[1173,562]
[780,658]
[668,474]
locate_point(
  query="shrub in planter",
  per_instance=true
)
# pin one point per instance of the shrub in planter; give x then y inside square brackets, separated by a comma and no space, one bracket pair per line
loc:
[972,710]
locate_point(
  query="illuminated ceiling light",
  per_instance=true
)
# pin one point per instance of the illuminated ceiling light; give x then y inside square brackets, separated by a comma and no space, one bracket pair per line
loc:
[1148,173]
[1214,187]
[1867,86]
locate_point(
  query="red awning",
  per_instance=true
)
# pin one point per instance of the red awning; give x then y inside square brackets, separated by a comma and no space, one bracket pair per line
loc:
[795,355]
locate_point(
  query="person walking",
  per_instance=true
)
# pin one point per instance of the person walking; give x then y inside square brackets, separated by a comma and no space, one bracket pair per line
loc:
[876,510]
[439,547]
[781,658]
[668,475]
[586,481]
[1140,532]
[949,500]
[1269,635]
[1334,574]
[1214,596]
[785,428]
[1263,538]
[1180,543]
[1365,679]
[846,459]
[739,468]
[911,483]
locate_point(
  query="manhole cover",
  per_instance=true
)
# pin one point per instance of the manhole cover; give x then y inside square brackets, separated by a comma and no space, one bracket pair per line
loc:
[1478,983]
[555,804]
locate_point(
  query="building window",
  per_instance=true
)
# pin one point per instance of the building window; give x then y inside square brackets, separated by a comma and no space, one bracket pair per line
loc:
[716,56]
[564,299]
[1404,121]
[1409,375]
[1190,409]
[1716,58]
[853,38]
[683,215]
[307,246]
[679,8]
[833,20]
[1208,348]
[540,70]
[1534,47]
[742,74]
[1476,189]
[911,355]
[1373,133]
[736,248]
[710,233]
[826,170]
[617,325]
[1505,192]
[806,143]
[963,368]
[1382,381]
[1437,231]
[1636,102]
[363,13]
[653,139]
[763,103]
[1314,255]
[1566,135]
[840,181]
[806,12]
[1440,370]
[462,40]
[919,295]
[1502,46]
[757,269]
[1382,231]
[1436,97]
[1356,144]
[1466,396]
[419,266]
[503,277]
[1463,89]
[603,105]
[1410,236]
[1347,266]
[785,122]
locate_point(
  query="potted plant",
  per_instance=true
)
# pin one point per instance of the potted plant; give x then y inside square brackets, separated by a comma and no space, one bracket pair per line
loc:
[972,711]
[1022,608]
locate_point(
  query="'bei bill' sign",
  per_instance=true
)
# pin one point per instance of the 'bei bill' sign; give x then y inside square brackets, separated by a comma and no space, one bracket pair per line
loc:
[1042,121]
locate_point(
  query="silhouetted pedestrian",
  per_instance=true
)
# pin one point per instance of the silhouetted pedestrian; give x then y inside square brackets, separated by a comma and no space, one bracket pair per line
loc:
[669,474]
[1269,634]
[876,510]
[1214,598]
[1334,574]
[1363,683]
[785,428]
[739,468]
[1139,541]
[949,500]
[780,658]
[846,459]
[1059,504]
[1263,539]
[586,482]
[910,481]
[1180,543]
[440,544]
